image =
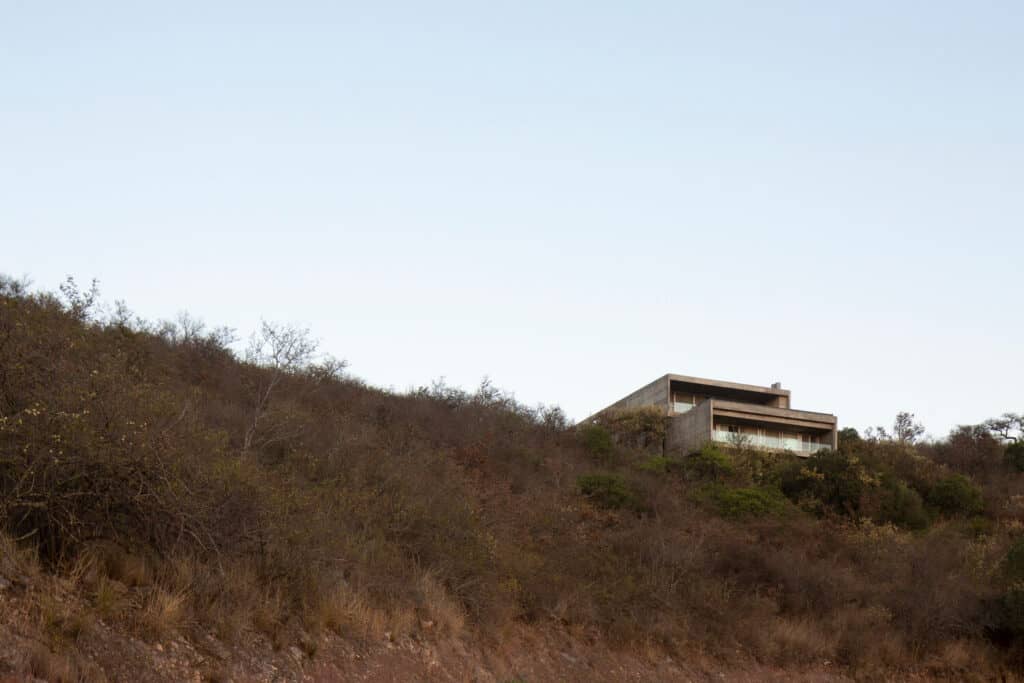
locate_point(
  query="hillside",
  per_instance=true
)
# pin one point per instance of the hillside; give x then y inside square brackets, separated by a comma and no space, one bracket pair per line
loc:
[174,510]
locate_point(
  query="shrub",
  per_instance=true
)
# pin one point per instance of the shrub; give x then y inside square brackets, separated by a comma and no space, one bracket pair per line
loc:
[849,438]
[597,441]
[971,449]
[978,527]
[1007,616]
[1015,456]
[761,467]
[708,464]
[956,495]
[638,428]
[609,491]
[1013,565]
[827,481]
[745,502]
[900,504]
[658,464]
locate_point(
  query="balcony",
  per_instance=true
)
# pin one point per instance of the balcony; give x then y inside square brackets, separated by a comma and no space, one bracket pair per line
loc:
[774,443]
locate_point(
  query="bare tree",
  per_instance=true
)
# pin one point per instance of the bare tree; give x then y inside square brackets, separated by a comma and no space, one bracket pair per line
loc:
[905,429]
[80,303]
[281,350]
[1009,427]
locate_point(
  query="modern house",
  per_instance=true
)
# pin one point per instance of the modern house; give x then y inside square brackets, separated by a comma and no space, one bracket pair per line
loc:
[702,410]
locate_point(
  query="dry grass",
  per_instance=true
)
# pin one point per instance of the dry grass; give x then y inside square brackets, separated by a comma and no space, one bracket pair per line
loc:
[163,613]
[269,612]
[61,667]
[17,563]
[442,612]
[61,624]
[799,641]
[109,598]
[348,612]
[51,666]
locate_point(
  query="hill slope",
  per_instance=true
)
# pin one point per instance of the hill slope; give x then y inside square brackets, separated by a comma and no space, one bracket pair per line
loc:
[271,517]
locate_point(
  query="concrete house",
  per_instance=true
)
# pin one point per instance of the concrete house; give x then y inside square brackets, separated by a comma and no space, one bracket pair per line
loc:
[702,410]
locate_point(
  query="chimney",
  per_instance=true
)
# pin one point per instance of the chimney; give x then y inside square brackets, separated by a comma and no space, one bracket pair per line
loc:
[776,385]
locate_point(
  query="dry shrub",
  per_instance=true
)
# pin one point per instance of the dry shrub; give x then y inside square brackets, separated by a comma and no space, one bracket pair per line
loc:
[109,598]
[229,598]
[163,613]
[132,570]
[61,667]
[867,640]
[51,666]
[441,612]
[349,612]
[17,563]
[801,641]
[958,659]
[268,614]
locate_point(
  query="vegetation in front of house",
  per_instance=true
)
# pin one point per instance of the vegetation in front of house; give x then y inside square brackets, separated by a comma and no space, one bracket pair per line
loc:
[180,485]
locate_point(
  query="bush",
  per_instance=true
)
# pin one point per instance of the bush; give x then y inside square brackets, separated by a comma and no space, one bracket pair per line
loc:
[636,428]
[1015,456]
[827,480]
[745,502]
[597,441]
[1013,565]
[609,491]
[900,505]
[658,464]
[1007,617]
[956,495]
[979,527]
[708,464]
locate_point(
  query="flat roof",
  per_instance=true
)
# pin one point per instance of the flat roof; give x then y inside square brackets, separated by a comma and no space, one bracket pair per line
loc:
[727,385]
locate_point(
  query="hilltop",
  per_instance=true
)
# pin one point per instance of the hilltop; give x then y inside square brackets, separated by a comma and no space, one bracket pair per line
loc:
[173,509]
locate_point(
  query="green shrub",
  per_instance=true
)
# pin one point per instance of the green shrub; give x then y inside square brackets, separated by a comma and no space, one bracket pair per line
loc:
[760,467]
[1014,563]
[1009,617]
[978,527]
[956,495]
[900,504]
[827,481]
[597,441]
[708,464]
[1015,456]
[745,502]
[658,464]
[609,491]
[636,428]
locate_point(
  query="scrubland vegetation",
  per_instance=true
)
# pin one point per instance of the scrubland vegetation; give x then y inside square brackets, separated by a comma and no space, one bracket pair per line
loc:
[182,487]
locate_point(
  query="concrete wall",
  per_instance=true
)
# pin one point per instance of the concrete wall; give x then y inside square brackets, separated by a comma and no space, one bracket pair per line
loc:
[689,431]
[654,394]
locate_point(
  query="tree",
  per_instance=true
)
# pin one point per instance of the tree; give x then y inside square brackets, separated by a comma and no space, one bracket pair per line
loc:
[1009,427]
[80,304]
[281,350]
[1009,430]
[848,436]
[905,430]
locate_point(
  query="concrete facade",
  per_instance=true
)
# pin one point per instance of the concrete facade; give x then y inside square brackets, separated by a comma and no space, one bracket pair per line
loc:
[689,431]
[701,410]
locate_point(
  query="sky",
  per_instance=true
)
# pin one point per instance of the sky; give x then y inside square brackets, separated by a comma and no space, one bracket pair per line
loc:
[571,198]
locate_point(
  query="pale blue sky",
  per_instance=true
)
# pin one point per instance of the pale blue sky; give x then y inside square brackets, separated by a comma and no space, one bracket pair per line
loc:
[570,197]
